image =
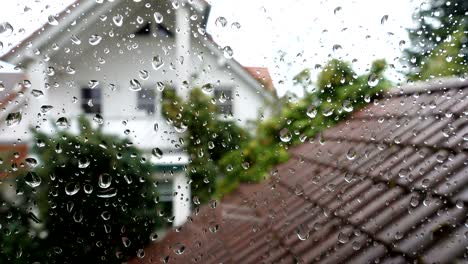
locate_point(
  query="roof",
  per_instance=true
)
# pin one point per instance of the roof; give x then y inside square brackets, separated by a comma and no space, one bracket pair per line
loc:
[263,76]
[389,184]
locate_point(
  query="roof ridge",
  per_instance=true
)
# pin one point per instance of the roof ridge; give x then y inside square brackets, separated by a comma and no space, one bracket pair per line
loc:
[438,84]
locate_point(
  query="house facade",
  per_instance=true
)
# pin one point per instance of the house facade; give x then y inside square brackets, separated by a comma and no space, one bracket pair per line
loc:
[111,61]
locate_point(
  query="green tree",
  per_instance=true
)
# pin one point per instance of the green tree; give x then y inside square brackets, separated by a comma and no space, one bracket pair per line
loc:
[207,138]
[339,91]
[90,199]
[437,23]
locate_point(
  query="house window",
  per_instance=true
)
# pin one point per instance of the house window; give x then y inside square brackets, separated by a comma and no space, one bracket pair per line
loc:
[164,31]
[146,101]
[91,100]
[224,100]
[144,31]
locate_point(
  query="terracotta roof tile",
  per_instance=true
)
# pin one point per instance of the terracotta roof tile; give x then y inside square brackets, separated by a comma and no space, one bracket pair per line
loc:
[400,198]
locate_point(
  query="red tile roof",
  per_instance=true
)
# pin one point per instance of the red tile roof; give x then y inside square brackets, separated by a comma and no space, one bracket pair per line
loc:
[401,198]
[263,76]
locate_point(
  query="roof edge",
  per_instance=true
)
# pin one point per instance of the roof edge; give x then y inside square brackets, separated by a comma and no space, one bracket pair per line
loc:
[439,84]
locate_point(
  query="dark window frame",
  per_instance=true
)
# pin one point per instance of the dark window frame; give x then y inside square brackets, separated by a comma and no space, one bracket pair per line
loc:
[145,103]
[94,94]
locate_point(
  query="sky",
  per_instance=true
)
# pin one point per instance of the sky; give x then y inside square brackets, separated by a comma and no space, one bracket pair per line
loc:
[285,36]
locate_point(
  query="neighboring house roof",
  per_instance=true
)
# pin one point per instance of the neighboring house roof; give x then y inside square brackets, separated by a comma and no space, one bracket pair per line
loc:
[388,184]
[263,76]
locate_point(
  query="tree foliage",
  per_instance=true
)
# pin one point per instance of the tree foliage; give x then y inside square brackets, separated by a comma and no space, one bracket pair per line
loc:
[91,198]
[339,91]
[207,137]
[439,39]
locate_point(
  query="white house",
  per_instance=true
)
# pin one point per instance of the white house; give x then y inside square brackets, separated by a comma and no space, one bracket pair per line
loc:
[111,59]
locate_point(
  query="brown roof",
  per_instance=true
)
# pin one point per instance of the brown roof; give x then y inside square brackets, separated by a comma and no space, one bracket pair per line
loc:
[389,184]
[400,198]
[263,76]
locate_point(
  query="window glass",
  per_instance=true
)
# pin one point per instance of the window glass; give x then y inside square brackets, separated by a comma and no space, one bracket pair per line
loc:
[202,131]
[91,100]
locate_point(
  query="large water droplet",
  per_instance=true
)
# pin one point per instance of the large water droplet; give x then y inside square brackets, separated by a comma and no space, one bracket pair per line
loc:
[302,232]
[13,119]
[105,180]
[311,111]
[62,123]
[157,62]
[373,80]
[6,29]
[228,52]
[83,163]
[94,39]
[135,85]
[52,20]
[158,17]
[32,179]
[285,135]
[221,21]
[118,20]
[157,153]
[72,188]
[207,88]
[384,19]
[75,40]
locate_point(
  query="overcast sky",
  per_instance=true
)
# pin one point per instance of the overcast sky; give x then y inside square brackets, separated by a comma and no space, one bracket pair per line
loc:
[285,36]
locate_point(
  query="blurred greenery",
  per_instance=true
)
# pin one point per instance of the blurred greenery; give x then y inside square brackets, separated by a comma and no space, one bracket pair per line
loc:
[438,41]
[338,92]
[90,199]
[222,155]
[207,137]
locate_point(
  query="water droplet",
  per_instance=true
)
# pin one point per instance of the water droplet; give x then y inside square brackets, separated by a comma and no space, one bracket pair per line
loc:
[157,62]
[75,40]
[83,162]
[32,179]
[94,39]
[46,108]
[158,17]
[37,93]
[336,47]
[135,85]
[98,119]
[72,188]
[351,154]
[118,20]
[52,20]
[311,111]
[144,75]
[126,242]
[179,248]
[347,106]
[105,215]
[228,52]
[235,25]
[208,88]
[221,21]
[384,19]
[285,135]
[343,237]
[153,236]
[327,111]
[32,162]
[62,123]
[13,119]
[336,10]
[107,193]
[6,29]
[302,232]
[157,153]
[373,80]
[105,180]
[181,128]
